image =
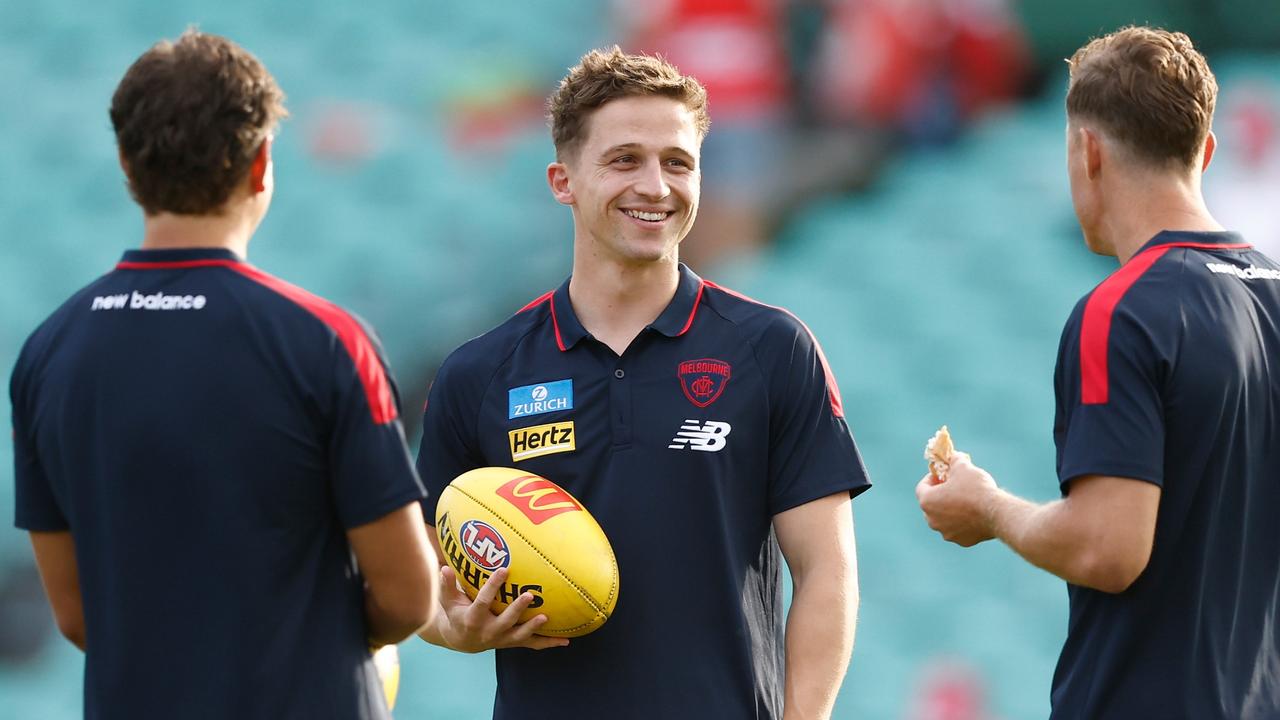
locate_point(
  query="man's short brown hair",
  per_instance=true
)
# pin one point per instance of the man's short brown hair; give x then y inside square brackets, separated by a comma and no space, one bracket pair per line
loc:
[1148,88]
[189,117]
[604,75]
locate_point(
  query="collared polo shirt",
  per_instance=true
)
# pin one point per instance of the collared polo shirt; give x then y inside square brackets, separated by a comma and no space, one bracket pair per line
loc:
[719,415]
[1168,374]
[208,433]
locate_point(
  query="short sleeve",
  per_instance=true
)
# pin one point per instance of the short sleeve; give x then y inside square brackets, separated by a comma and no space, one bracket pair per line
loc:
[812,454]
[36,506]
[448,425]
[1110,418]
[373,473]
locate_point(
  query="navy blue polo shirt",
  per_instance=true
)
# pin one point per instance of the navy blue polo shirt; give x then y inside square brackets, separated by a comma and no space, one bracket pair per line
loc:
[718,416]
[1168,373]
[207,433]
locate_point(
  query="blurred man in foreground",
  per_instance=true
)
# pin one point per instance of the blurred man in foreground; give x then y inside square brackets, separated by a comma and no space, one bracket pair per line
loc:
[210,460]
[1167,416]
[702,430]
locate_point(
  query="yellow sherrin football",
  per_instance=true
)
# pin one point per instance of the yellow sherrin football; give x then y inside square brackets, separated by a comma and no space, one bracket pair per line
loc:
[496,517]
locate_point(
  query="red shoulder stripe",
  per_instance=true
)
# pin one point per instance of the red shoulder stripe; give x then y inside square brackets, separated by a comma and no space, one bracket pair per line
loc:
[833,390]
[373,377]
[377,388]
[537,301]
[1095,325]
[548,297]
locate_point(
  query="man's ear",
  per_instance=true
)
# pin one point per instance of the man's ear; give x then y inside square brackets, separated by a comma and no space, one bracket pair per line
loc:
[1210,145]
[558,181]
[1091,146]
[258,169]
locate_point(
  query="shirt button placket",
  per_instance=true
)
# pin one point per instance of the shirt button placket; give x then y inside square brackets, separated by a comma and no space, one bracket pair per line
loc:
[620,406]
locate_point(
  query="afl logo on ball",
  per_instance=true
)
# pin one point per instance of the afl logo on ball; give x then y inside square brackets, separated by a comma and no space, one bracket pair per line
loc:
[703,380]
[483,545]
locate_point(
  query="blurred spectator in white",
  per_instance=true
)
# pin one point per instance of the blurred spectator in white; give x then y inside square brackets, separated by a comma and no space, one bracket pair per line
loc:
[1247,168]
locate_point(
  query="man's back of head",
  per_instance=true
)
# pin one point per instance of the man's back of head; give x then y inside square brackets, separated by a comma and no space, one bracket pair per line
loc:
[1148,89]
[1140,110]
[190,115]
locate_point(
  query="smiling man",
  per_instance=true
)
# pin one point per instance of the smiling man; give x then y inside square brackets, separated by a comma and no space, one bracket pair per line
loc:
[703,431]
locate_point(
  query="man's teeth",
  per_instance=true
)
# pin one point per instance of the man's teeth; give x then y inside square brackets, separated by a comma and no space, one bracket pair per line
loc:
[650,216]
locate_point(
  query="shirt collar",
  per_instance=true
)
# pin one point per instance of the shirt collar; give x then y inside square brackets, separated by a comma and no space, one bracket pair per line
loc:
[674,321]
[149,257]
[568,328]
[1188,237]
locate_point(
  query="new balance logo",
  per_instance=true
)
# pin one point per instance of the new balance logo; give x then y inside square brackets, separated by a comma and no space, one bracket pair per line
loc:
[707,437]
[155,301]
[1253,272]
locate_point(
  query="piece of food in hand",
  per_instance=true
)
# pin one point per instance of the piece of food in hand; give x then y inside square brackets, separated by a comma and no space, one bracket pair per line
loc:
[939,451]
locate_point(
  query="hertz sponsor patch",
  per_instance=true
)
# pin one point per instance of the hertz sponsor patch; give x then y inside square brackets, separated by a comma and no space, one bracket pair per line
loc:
[539,440]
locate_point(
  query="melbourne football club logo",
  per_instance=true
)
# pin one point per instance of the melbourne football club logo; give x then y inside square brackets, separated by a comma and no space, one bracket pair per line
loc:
[703,380]
[483,545]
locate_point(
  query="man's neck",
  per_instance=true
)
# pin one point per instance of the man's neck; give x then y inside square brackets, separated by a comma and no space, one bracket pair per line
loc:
[1144,210]
[615,302]
[166,231]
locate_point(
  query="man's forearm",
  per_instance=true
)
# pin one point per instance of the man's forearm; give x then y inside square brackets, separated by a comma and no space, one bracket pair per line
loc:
[388,628]
[820,631]
[1034,532]
[1049,538]
[55,555]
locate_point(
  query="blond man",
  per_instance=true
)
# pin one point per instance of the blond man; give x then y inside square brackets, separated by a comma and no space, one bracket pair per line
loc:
[1167,423]
[700,428]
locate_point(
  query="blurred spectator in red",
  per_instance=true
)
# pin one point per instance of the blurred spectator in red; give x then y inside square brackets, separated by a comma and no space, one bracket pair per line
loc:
[491,101]
[920,67]
[949,690]
[806,96]
[737,50]
[341,133]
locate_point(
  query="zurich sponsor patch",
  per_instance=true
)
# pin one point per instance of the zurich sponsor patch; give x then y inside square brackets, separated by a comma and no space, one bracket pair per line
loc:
[545,397]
